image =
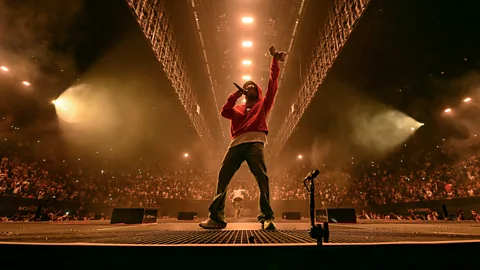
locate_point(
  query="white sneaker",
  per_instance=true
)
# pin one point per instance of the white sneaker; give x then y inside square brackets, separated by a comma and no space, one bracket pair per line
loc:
[269,225]
[211,224]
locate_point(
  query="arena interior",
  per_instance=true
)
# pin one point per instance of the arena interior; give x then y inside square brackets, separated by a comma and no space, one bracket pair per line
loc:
[111,136]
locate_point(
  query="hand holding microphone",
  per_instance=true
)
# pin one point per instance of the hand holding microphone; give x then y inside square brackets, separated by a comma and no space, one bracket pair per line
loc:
[240,89]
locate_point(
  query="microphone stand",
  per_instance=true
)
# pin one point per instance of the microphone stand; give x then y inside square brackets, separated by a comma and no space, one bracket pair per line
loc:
[317,231]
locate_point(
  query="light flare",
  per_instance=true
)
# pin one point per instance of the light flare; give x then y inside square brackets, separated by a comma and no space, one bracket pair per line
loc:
[247,20]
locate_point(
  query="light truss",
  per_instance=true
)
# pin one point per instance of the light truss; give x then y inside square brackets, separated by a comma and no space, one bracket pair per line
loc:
[153,20]
[207,63]
[341,21]
[297,13]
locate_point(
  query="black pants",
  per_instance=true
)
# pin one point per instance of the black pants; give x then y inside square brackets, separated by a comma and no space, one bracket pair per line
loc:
[253,154]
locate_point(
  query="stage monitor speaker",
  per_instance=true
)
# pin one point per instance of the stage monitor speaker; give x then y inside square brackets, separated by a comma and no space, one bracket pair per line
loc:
[292,215]
[150,216]
[187,215]
[134,215]
[342,215]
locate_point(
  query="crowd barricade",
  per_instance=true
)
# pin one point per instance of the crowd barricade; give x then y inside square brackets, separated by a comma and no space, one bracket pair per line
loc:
[170,207]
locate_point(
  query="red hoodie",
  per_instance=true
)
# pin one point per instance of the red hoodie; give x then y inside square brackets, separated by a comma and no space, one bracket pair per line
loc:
[256,119]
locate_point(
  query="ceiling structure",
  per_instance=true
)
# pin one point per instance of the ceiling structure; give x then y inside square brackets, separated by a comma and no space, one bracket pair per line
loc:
[153,20]
[234,36]
[341,21]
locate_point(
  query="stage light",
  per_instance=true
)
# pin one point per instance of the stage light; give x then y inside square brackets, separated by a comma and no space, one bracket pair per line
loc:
[247,20]
[26,83]
[4,68]
[185,155]
[247,44]
[61,104]
[467,99]
[300,157]
[448,110]
[246,78]
[246,62]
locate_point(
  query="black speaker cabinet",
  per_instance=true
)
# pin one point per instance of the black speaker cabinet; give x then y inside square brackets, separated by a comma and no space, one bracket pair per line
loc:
[292,215]
[134,215]
[342,215]
[150,215]
[187,215]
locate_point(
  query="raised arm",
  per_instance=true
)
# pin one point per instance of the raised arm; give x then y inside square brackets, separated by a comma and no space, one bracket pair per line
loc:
[227,108]
[272,84]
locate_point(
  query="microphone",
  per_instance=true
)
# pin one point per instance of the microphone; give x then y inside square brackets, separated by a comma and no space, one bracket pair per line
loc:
[311,175]
[240,88]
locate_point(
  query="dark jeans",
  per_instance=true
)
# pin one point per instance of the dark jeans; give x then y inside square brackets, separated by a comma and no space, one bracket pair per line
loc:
[253,154]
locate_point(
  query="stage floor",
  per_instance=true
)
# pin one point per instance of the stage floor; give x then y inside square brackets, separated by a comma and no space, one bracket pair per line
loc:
[240,233]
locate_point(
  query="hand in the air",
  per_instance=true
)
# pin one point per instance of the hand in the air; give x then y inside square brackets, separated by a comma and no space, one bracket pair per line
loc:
[280,56]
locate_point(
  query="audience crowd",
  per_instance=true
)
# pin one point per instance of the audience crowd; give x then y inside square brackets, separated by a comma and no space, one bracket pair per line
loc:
[438,174]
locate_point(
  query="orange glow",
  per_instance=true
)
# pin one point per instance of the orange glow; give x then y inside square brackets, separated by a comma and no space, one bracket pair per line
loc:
[246,62]
[247,44]
[247,20]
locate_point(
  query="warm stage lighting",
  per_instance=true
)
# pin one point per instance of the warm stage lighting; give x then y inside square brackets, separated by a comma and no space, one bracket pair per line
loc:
[4,68]
[299,156]
[467,99]
[246,62]
[26,83]
[246,78]
[185,155]
[61,104]
[72,107]
[380,130]
[247,20]
[247,44]
[448,110]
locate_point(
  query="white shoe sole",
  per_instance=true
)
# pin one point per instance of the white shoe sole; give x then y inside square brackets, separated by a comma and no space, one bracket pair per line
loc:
[219,227]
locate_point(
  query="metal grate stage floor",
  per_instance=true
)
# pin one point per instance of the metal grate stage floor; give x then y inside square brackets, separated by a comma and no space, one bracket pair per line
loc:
[181,233]
[171,244]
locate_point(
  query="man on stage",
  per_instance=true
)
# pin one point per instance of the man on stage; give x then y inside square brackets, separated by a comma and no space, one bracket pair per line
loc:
[238,195]
[249,131]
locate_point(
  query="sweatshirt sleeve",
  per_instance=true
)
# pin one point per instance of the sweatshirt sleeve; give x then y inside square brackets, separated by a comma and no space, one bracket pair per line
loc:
[272,85]
[227,108]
